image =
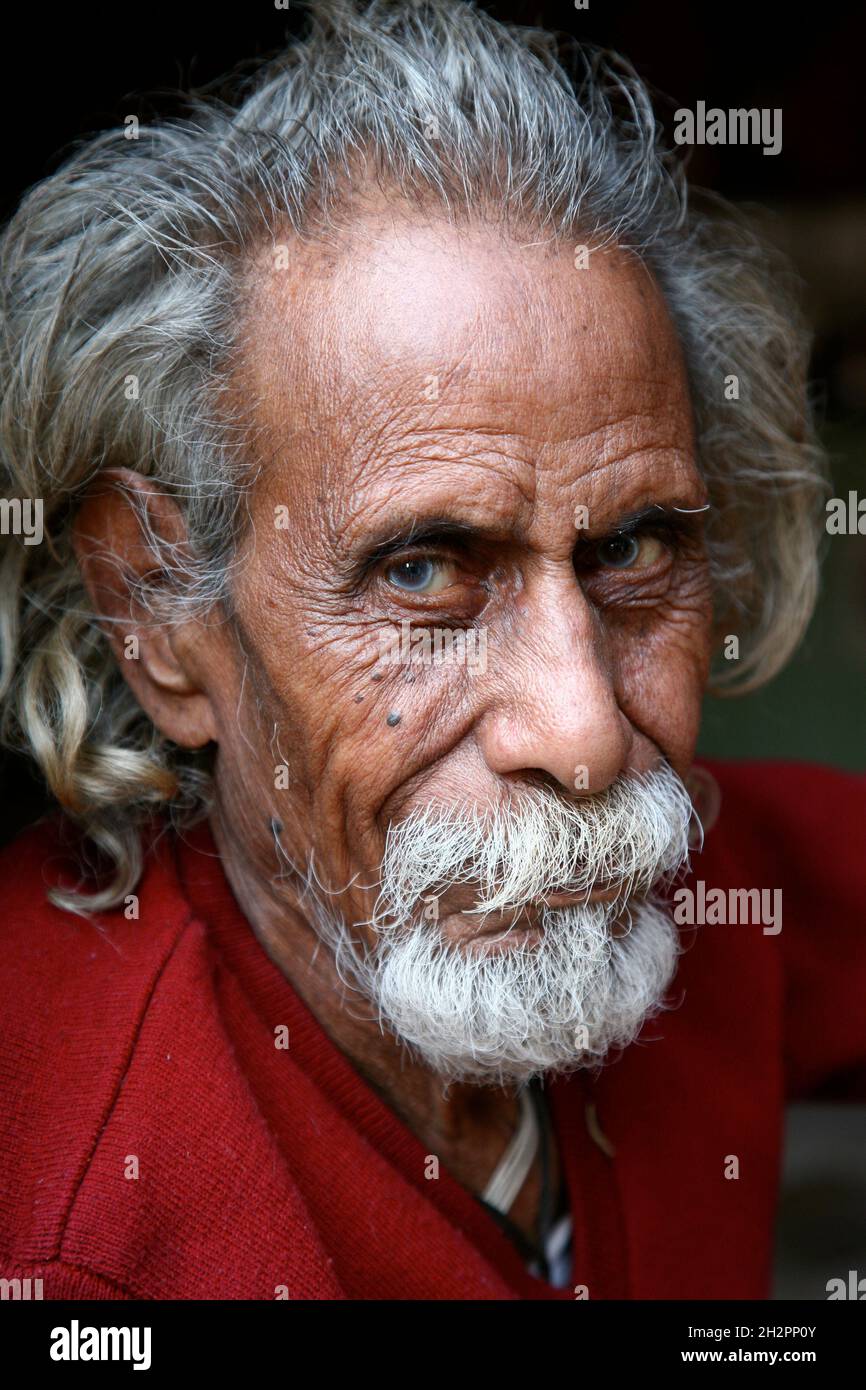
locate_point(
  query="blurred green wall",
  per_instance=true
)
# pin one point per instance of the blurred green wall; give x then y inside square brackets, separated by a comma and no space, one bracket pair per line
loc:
[815,710]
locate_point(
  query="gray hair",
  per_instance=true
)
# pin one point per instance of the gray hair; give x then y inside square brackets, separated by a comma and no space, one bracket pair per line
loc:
[128,265]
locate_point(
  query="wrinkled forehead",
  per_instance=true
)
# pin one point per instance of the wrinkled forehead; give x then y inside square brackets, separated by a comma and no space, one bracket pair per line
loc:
[406,327]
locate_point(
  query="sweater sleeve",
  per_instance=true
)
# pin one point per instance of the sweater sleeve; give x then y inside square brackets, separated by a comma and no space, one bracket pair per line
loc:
[55,1279]
[805,827]
[824,948]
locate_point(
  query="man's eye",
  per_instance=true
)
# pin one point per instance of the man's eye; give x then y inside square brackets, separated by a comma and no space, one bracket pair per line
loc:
[421,576]
[629,552]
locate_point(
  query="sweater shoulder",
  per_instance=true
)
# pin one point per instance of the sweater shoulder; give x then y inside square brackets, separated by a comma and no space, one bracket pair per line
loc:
[74,994]
[64,956]
[798,830]
[798,814]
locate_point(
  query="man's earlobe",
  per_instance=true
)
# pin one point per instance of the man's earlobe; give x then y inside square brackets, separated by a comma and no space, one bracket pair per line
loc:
[116,535]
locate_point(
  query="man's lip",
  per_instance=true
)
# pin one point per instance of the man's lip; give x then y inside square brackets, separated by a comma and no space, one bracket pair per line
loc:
[598,895]
[526,919]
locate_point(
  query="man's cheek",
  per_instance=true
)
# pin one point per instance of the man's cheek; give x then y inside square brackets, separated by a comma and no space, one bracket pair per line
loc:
[661,689]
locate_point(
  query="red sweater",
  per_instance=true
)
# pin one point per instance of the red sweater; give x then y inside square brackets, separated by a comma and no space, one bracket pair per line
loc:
[148,1046]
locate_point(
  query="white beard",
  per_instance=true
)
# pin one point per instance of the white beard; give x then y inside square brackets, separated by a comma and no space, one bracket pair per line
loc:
[558,1001]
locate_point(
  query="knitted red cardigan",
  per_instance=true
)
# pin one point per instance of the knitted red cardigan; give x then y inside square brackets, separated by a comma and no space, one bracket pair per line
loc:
[156,1143]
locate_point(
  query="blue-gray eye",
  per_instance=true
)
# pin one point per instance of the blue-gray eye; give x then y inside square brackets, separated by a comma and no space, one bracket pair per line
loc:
[420,576]
[628,551]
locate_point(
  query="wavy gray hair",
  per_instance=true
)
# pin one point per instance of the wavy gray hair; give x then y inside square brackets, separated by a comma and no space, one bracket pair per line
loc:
[129,263]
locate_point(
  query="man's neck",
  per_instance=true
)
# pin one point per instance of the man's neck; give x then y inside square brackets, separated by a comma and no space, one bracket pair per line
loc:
[467,1127]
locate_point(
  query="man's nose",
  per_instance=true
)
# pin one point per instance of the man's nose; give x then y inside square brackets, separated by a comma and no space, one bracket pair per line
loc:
[554,706]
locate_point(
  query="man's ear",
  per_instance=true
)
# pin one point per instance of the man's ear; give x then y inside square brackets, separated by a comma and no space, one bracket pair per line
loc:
[166,666]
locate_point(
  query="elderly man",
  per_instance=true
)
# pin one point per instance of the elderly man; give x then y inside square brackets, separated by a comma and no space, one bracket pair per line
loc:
[407,452]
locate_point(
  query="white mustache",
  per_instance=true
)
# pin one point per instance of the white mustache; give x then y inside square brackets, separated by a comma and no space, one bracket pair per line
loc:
[574,994]
[627,838]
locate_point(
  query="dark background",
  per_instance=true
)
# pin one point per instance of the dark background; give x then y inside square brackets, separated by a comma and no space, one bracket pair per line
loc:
[74,69]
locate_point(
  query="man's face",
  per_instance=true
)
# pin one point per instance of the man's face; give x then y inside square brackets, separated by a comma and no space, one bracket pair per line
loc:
[456,431]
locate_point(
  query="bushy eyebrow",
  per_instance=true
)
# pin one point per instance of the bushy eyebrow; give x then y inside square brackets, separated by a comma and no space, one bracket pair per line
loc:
[430,531]
[662,514]
[411,532]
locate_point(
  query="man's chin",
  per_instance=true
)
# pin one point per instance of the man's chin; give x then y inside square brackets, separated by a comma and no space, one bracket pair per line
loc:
[511,1005]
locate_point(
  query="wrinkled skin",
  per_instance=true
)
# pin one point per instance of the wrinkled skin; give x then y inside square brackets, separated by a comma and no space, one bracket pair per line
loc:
[555,388]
